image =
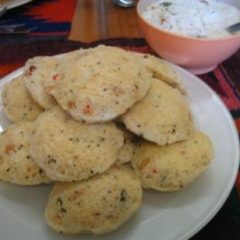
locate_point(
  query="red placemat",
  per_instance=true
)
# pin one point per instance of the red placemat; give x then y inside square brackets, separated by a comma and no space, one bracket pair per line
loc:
[225,80]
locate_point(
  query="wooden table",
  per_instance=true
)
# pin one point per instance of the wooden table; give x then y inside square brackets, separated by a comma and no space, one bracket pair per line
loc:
[101,19]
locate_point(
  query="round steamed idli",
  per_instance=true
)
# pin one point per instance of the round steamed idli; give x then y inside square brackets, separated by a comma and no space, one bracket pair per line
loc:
[162,116]
[163,71]
[37,71]
[98,205]
[172,167]
[125,154]
[62,60]
[18,104]
[16,164]
[69,150]
[103,84]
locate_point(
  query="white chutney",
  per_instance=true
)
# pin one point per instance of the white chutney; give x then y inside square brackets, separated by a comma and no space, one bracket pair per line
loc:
[195,18]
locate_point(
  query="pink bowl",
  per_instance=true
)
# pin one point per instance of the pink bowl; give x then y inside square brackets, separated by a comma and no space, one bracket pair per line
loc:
[197,55]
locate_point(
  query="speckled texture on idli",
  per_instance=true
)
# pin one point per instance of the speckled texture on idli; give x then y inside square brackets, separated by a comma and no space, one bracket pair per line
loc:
[62,60]
[125,154]
[98,205]
[18,104]
[69,150]
[173,167]
[102,85]
[16,164]
[37,70]
[163,71]
[162,116]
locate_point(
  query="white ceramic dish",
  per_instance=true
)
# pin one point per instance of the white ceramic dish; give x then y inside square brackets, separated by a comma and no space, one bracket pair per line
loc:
[13,3]
[163,216]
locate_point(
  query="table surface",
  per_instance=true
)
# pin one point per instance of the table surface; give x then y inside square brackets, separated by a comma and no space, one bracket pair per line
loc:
[101,19]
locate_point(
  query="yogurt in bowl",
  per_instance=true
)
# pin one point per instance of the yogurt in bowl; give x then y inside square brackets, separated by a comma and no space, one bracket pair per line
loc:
[189,37]
[194,18]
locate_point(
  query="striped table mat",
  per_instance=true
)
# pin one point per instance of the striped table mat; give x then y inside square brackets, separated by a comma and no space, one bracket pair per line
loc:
[43,17]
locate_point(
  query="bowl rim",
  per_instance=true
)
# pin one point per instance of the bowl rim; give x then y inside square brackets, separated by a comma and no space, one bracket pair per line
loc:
[186,37]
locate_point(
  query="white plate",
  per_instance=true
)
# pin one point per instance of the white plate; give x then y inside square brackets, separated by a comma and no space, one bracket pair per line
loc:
[163,216]
[13,3]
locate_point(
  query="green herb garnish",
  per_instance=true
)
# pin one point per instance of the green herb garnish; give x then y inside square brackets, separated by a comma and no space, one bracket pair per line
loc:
[166,4]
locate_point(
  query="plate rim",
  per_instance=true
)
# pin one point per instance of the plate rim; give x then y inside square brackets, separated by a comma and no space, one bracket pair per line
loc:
[234,133]
[14,4]
[236,162]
